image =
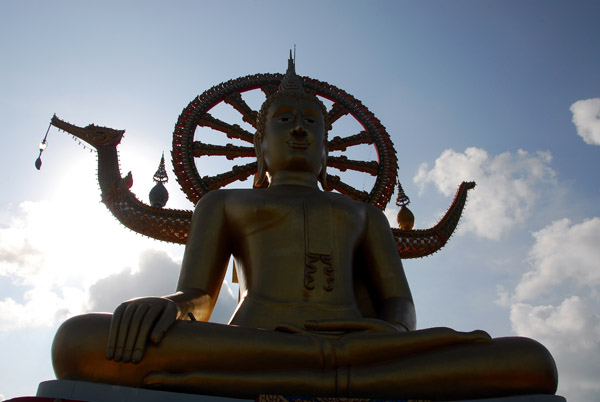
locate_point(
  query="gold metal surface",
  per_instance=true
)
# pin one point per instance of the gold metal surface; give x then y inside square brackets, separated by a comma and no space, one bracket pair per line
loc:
[325,306]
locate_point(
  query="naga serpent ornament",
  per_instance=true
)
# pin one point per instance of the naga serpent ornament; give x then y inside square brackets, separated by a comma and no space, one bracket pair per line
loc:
[172,225]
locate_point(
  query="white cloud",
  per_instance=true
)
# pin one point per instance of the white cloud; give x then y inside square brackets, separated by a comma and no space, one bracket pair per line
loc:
[564,260]
[52,252]
[586,117]
[18,257]
[41,306]
[508,186]
[570,325]
[571,331]
[562,253]
[391,213]
[156,276]
[226,304]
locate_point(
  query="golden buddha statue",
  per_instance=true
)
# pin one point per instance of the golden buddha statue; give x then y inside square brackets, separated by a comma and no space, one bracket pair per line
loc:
[325,308]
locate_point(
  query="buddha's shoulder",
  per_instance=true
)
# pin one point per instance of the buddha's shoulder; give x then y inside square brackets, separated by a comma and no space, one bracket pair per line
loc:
[257,197]
[344,200]
[232,198]
[368,211]
[228,195]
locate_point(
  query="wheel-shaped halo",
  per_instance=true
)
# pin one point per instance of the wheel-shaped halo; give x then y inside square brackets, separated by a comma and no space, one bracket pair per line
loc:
[186,149]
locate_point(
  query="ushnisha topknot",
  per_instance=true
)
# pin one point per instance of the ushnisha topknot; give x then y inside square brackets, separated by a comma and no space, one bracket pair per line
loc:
[290,87]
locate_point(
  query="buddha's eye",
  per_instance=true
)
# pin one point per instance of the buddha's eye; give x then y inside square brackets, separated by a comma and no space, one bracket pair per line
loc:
[284,119]
[309,120]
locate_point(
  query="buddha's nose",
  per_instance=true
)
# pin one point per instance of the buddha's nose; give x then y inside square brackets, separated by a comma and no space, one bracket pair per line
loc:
[299,131]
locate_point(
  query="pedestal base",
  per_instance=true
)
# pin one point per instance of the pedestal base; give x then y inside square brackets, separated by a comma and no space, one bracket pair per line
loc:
[92,392]
[522,398]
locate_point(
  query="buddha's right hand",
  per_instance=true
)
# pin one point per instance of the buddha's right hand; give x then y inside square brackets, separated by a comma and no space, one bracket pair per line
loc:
[136,321]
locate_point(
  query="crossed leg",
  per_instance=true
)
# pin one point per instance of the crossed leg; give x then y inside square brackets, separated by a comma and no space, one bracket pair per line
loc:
[243,362]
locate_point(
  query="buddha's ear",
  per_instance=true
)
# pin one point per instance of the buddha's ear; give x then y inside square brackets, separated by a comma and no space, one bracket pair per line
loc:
[261,173]
[323,173]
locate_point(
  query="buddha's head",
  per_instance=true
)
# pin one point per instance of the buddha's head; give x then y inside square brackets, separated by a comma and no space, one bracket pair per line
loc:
[291,131]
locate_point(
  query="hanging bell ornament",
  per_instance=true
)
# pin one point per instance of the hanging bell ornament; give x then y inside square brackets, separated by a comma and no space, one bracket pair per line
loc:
[42,146]
[405,218]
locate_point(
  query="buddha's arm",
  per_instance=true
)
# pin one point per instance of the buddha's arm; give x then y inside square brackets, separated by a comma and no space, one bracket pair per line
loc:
[137,321]
[385,270]
[206,256]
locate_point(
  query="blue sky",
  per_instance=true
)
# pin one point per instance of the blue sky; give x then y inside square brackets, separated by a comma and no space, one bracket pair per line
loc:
[479,90]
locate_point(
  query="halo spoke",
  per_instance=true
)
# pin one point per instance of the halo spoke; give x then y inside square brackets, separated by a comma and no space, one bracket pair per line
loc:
[342,163]
[232,130]
[335,183]
[248,115]
[236,173]
[230,151]
[269,89]
[340,144]
[336,112]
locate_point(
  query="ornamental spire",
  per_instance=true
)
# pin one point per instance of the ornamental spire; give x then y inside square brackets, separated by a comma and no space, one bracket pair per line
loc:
[291,82]
[159,194]
[405,218]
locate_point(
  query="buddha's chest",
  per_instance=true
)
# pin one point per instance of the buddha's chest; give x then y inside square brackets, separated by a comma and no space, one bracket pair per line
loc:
[304,247]
[316,224]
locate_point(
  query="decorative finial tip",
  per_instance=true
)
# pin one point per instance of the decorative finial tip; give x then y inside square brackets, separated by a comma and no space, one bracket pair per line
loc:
[291,82]
[161,174]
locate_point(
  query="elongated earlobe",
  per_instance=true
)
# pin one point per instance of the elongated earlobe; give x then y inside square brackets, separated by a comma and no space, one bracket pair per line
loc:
[323,173]
[261,173]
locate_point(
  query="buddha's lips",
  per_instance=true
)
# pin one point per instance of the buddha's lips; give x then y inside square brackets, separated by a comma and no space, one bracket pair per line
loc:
[298,144]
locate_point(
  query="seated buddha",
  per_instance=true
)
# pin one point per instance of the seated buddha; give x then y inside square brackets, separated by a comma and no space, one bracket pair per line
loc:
[325,308]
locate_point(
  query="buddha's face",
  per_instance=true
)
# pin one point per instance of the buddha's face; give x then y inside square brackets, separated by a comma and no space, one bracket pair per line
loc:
[294,136]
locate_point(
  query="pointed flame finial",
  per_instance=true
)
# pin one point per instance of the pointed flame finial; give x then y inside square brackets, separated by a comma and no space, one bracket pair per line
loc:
[402,199]
[161,173]
[405,218]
